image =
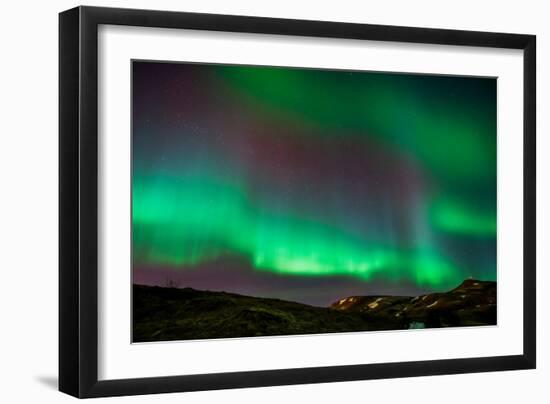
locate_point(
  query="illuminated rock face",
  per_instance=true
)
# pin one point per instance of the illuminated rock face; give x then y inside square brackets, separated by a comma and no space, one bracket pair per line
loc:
[470,304]
[313,174]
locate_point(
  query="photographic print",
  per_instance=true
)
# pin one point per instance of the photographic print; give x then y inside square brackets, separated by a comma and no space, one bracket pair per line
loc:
[284,201]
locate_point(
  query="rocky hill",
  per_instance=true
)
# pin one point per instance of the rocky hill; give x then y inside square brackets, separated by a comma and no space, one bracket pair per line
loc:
[163,314]
[472,303]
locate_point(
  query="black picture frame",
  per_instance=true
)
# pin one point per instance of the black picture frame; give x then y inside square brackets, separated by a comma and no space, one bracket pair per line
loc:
[78,201]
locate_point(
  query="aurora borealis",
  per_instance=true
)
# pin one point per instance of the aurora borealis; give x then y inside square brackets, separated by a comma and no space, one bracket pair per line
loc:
[310,185]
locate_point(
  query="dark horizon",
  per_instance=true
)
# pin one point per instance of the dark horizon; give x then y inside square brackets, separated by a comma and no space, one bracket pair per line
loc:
[318,292]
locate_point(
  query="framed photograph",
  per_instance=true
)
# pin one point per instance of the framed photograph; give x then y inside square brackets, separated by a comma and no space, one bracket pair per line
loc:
[251,201]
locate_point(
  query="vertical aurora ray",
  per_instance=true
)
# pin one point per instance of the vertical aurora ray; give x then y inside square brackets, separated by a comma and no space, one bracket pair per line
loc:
[296,173]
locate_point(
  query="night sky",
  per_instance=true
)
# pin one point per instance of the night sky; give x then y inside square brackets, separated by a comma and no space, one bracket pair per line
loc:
[311,185]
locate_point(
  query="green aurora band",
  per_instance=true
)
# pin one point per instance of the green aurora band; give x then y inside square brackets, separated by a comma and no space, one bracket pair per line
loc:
[205,218]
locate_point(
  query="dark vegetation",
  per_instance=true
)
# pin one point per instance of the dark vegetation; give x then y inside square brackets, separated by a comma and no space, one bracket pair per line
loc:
[168,313]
